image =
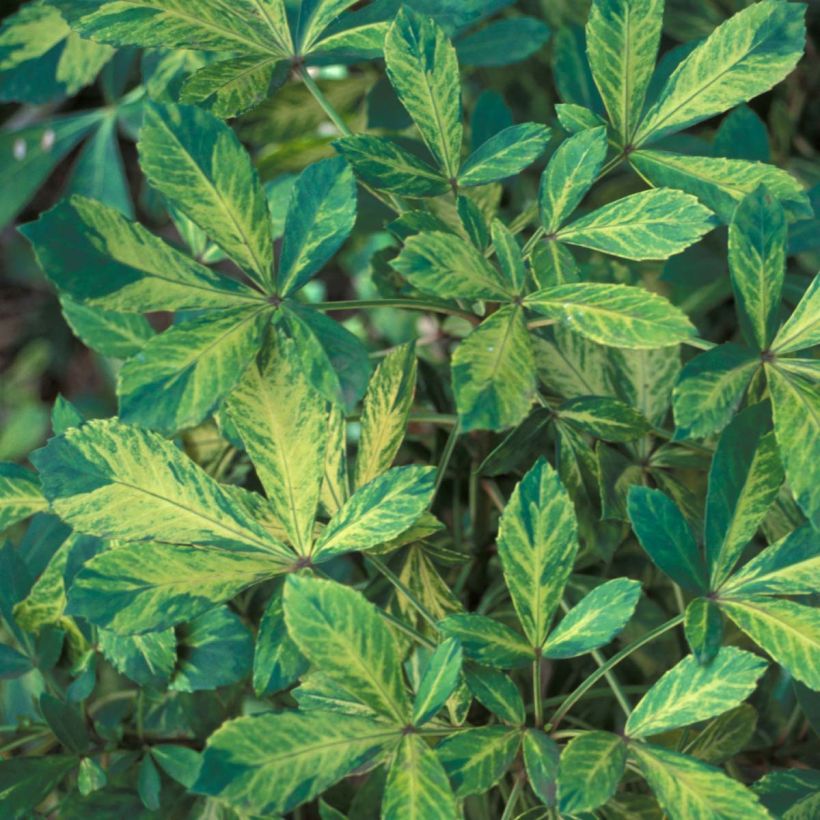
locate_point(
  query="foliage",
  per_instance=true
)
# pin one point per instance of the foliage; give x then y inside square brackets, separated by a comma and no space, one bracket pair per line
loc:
[457,449]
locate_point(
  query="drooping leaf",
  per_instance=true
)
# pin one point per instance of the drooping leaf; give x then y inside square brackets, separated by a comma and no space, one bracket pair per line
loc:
[271,763]
[622,43]
[745,56]
[476,759]
[423,69]
[282,420]
[493,372]
[617,315]
[417,786]
[537,544]
[505,154]
[487,641]
[571,171]
[341,633]
[591,767]
[20,494]
[654,224]
[595,620]
[196,161]
[688,692]
[757,262]
[439,680]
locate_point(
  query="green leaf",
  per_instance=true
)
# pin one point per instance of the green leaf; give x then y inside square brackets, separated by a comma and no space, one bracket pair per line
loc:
[787,567]
[745,56]
[725,736]
[622,43]
[277,662]
[12,663]
[92,473]
[541,759]
[438,682]
[654,224]
[27,781]
[703,627]
[423,69]
[591,767]
[417,786]
[450,267]
[215,649]
[110,333]
[721,184]
[487,641]
[148,660]
[20,494]
[321,214]
[509,255]
[66,722]
[178,762]
[497,692]
[744,480]
[802,329]
[711,388]
[196,24]
[689,692]
[796,410]
[502,42]
[147,587]
[757,262]
[315,16]
[595,620]
[493,372]
[134,270]
[90,776]
[571,172]
[616,315]
[282,421]
[505,154]
[385,412]
[340,632]
[196,161]
[537,544]
[380,510]
[604,418]
[790,793]
[687,788]
[388,166]
[789,632]
[269,764]
[229,88]
[181,376]
[476,759]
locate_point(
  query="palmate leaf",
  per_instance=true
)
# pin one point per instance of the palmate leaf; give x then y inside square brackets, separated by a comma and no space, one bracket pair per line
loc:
[20,494]
[505,154]
[147,587]
[757,262]
[340,632]
[653,224]
[476,759]
[134,270]
[438,682]
[789,632]
[747,55]
[197,162]
[595,620]
[796,410]
[720,184]
[91,473]
[687,788]
[282,421]
[321,213]
[382,509]
[688,692]
[423,69]
[181,376]
[493,372]
[802,329]
[537,544]
[269,764]
[592,765]
[616,315]
[417,787]
[711,388]
[314,17]
[570,173]
[622,43]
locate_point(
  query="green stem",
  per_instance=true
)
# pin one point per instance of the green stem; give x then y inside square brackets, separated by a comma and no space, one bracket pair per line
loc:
[323,101]
[407,629]
[402,587]
[404,304]
[512,799]
[446,455]
[537,694]
[581,690]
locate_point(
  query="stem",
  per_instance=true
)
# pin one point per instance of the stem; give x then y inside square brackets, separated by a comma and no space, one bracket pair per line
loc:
[512,799]
[323,101]
[613,683]
[402,587]
[537,700]
[446,455]
[404,304]
[407,629]
[581,690]
[700,344]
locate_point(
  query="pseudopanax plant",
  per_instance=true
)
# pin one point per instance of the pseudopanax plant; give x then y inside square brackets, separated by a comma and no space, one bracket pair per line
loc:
[551,551]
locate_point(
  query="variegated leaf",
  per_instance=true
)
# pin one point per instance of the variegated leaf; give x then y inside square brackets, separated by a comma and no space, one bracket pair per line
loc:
[20,494]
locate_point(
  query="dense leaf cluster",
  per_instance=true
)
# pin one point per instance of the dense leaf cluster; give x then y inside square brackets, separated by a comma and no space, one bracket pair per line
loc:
[549,551]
